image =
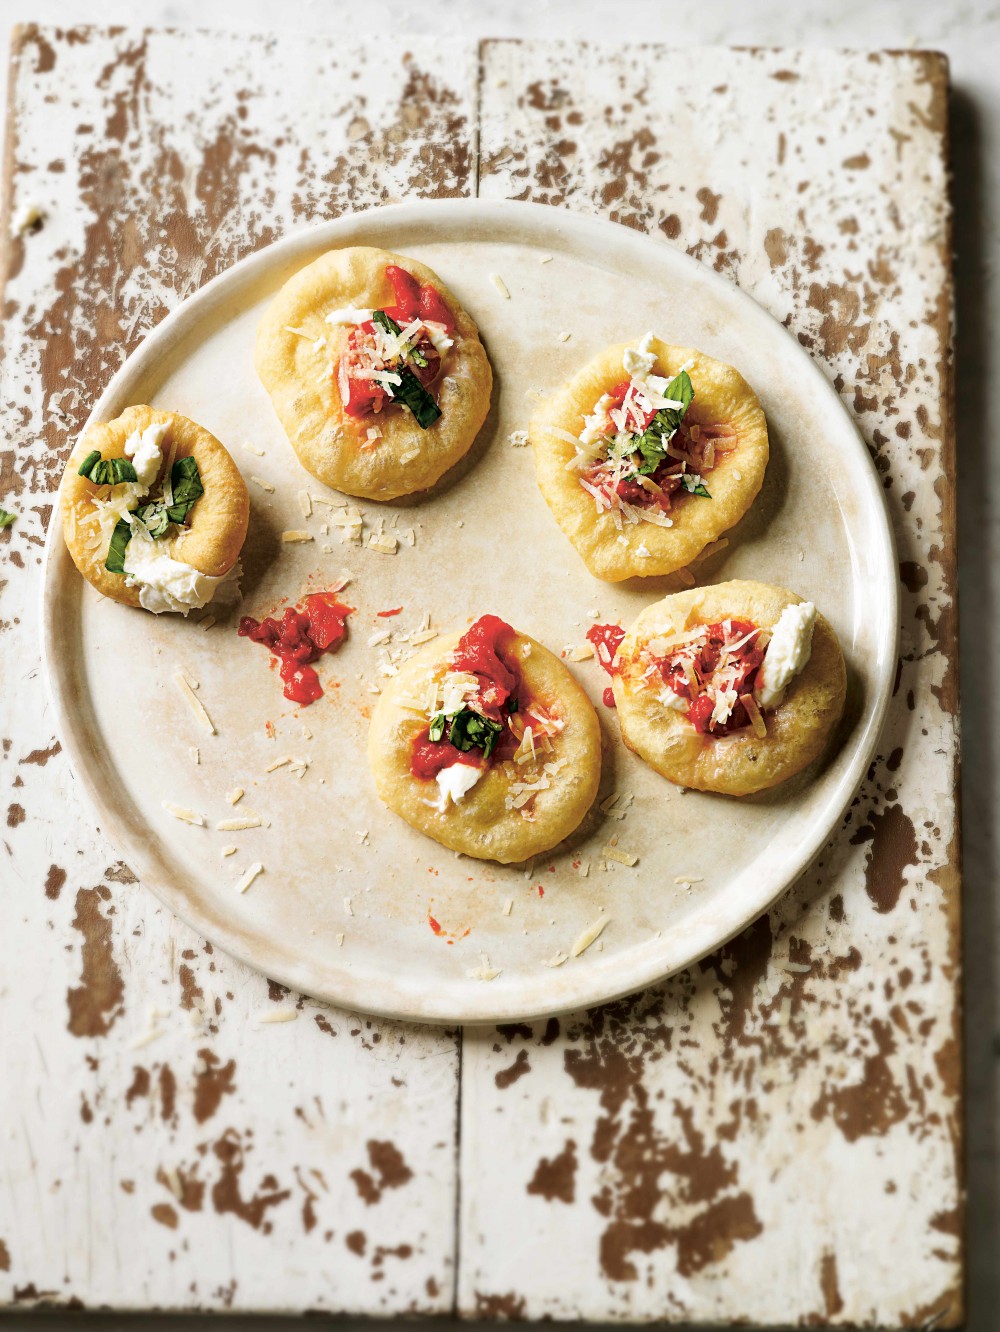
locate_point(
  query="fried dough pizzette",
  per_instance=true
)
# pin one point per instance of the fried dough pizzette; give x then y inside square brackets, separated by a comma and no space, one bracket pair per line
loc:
[648,455]
[375,371]
[154,510]
[732,688]
[486,743]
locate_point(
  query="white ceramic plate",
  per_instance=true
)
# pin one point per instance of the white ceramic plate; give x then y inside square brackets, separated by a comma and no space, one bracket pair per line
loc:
[338,863]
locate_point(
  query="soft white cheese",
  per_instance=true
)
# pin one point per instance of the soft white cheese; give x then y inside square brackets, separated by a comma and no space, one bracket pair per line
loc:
[456,782]
[166,584]
[671,699]
[350,314]
[595,425]
[639,361]
[787,653]
[145,448]
[438,336]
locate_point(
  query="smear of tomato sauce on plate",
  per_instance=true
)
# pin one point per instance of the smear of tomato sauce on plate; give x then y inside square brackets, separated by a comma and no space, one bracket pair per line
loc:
[302,635]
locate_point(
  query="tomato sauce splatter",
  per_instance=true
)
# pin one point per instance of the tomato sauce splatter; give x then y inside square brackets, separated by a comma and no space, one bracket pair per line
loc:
[606,639]
[300,637]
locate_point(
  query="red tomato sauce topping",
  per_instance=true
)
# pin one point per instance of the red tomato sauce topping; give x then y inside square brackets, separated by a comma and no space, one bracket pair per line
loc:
[481,651]
[728,658]
[361,395]
[606,639]
[300,637]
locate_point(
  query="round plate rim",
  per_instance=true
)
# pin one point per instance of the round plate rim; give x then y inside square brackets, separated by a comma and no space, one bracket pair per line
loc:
[593,984]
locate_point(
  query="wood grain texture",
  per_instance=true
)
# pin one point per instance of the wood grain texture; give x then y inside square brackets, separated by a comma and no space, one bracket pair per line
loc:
[772,1137]
[168,1148]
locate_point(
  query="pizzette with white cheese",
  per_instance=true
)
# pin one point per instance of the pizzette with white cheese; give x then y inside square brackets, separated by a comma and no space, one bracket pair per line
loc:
[154,510]
[650,453]
[375,370]
[515,759]
[732,688]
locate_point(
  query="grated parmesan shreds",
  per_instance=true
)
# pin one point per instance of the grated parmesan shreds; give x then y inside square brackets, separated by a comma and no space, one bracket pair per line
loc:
[622,857]
[305,503]
[556,960]
[582,652]
[689,878]
[278,763]
[485,971]
[264,485]
[340,940]
[500,285]
[269,1016]
[686,577]
[239,825]
[590,935]
[348,906]
[234,796]
[184,814]
[207,622]
[182,679]
[508,906]
[229,850]
[518,438]
[294,535]
[384,542]
[252,448]
[248,876]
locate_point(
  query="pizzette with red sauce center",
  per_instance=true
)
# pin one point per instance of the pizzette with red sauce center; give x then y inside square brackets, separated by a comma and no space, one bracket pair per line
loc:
[485,742]
[731,688]
[648,455]
[375,371]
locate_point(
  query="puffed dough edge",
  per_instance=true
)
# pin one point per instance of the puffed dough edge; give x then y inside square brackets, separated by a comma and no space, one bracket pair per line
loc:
[479,825]
[212,541]
[797,731]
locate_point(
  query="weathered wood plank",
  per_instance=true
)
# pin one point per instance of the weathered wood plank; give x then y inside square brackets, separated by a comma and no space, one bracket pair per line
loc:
[775,1136]
[163,1147]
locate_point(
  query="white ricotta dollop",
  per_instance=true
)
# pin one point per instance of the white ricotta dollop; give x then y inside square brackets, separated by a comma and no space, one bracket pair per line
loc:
[595,425]
[145,448]
[166,584]
[350,314]
[672,700]
[456,782]
[438,336]
[787,653]
[638,361]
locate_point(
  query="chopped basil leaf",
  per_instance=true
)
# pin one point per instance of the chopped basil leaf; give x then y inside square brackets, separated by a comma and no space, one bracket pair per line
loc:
[186,487]
[186,482]
[120,537]
[107,471]
[470,730]
[512,705]
[652,443]
[412,394]
[695,487]
[438,723]
[387,322]
[6,518]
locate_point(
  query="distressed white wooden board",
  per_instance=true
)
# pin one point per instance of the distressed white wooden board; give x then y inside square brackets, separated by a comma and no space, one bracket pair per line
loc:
[904,792]
[774,1136]
[160,158]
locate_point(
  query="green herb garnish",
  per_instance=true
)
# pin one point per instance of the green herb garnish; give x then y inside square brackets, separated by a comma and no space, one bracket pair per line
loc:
[120,537]
[695,487]
[186,487]
[387,322]
[409,391]
[470,730]
[467,730]
[6,518]
[107,471]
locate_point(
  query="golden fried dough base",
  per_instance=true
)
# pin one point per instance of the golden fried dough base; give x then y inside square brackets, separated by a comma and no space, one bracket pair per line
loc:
[301,380]
[480,825]
[722,397]
[212,541]
[738,764]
